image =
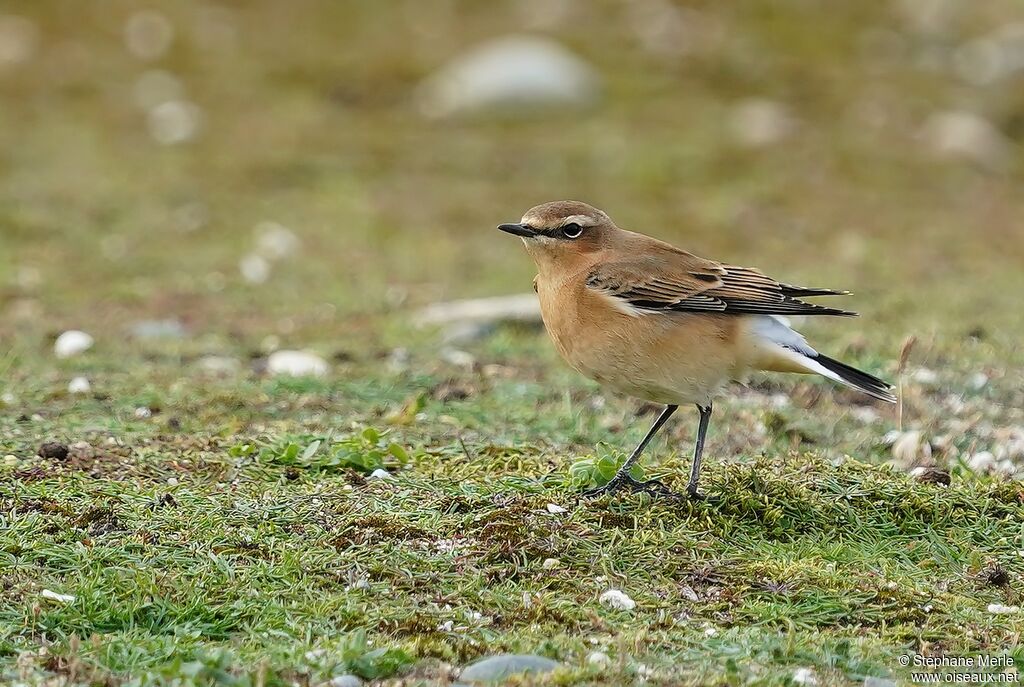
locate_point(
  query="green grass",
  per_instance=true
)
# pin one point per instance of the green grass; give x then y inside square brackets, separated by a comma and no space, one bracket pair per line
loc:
[231,536]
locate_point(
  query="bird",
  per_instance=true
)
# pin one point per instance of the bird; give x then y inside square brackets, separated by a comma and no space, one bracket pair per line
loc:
[655,322]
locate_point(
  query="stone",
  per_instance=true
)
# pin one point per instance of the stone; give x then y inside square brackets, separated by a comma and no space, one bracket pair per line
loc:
[296,364]
[617,599]
[72,343]
[54,450]
[513,75]
[497,668]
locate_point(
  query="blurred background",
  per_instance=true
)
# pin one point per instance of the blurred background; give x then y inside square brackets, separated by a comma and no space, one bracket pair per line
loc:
[296,169]
[220,223]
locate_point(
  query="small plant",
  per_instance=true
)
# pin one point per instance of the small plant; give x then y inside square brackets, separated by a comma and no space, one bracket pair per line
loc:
[364,451]
[596,471]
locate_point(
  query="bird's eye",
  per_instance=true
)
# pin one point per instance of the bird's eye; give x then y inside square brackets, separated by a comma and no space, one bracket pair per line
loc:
[572,231]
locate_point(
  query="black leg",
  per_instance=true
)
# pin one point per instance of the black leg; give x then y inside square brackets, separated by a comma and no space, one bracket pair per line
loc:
[698,450]
[622,478]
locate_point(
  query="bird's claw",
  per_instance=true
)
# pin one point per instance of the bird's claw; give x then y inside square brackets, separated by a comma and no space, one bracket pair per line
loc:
[653,487]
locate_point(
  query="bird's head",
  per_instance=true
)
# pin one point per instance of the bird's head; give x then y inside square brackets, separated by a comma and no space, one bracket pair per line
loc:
[562,232]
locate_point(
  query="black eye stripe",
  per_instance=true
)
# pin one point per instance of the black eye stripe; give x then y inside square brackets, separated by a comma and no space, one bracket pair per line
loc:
[560,232]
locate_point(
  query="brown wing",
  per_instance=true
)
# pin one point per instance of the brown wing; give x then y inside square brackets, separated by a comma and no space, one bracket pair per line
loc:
[681,282]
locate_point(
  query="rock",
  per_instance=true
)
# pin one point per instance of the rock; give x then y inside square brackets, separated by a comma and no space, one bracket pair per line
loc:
[930,475]
[878,682]
[968,136]
[345,681]
[158,329]
[550,563]
[925,376]
[53,450]
[510,75]
[275,241]
[19,38]
[992,57]
[219,364]
[143,412]
[804,676]
[461,333]
[977,381]
[59,598]
[458,358]
[758,122]
[497,668]
[79,385]
[982,461]
[148,34]
[617,599]
[599,659]
[555,509]
[999,609]
[296,364]
[173,122]
[910,446]
[519,308]
[380,473]
[71,343]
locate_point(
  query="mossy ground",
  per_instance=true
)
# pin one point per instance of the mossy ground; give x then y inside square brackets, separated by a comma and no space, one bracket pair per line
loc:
[198,548]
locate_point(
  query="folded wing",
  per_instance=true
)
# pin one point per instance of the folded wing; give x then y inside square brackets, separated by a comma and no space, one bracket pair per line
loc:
[670,280]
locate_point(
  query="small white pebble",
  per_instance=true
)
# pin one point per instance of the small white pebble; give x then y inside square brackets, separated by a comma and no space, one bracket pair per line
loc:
[617,599]
[1006,467]
[69,598]
[362,584]
[173,122]
[296,364]
[380,473]
[315,655]
[599,658]
[758,122]
[458,358]
[804,676]
[7,398]
[275,241]
[71,343]
[345,681]
[172,481]
[1000,608]
[142,412]
[910,446]
[254,268]
[148,34]
[446,626]
[710,632]
[982,461]
[10,459]
[550,563]
[864,414]
[923,375]
[79,385]
[977,381]
[555,509]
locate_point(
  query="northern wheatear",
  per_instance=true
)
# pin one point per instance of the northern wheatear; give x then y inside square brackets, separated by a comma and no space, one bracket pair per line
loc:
[647,319]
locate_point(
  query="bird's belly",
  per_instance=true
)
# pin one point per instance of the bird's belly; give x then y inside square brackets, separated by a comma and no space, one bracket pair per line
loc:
[665,360]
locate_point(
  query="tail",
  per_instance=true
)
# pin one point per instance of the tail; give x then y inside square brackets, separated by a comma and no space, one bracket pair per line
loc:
[778,348]
[858,379]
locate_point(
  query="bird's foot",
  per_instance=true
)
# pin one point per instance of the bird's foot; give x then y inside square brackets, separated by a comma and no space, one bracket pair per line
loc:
[617,483]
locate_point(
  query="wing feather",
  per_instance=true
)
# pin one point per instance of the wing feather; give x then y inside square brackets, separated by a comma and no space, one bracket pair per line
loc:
[670,280]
